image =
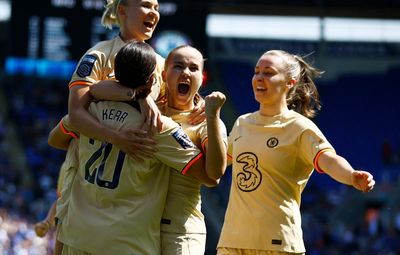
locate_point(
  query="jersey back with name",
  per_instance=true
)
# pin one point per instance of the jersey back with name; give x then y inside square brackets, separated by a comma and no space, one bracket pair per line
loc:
[117,202]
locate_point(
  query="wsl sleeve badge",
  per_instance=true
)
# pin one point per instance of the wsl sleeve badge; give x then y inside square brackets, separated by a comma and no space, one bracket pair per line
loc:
[183,139]
[86,65]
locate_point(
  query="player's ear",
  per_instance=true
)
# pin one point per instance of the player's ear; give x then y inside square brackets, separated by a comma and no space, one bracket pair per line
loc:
[291,83]
[121,10]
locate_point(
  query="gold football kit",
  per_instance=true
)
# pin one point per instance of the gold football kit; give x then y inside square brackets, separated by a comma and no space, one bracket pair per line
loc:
[183,227]
[116,202]
[98,64]
[272,160]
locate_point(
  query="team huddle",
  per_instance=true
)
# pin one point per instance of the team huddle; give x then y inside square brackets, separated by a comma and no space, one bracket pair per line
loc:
[141,141]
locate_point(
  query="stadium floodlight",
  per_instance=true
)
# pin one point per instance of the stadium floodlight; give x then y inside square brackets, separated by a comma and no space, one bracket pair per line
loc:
[5,10]
[361,30]
[263,27]
[303,28]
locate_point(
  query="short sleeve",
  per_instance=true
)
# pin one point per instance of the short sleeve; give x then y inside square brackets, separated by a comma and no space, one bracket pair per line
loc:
[312,143]
[88,70]
[175,149]
[66,127]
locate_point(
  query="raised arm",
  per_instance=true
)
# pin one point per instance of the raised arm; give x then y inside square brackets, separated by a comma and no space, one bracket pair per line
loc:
[216,151]
[339,169]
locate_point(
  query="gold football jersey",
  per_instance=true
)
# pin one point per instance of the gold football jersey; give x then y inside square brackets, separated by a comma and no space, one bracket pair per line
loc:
[98,64]
[116,202]
[182,213]
[272,160]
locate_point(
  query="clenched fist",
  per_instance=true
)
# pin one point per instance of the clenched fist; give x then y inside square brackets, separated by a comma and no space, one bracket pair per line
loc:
[214,102]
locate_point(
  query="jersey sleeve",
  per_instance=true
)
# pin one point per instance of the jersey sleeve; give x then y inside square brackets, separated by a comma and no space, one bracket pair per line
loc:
[88,70]
[97,63]
[60,180]
[312,144]
[67,128]
[175,148]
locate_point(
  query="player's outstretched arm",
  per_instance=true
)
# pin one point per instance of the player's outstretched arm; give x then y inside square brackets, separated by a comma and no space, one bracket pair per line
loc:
[339,169]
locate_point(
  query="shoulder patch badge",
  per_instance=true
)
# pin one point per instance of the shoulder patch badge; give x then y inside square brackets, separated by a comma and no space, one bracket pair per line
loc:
[183,139]
[86,65]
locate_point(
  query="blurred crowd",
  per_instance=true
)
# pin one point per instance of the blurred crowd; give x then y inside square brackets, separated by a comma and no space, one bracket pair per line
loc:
[27,190]
[17,236]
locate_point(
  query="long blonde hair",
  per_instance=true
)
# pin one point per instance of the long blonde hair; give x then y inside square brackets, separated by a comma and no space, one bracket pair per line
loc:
[110,14]
[303,97]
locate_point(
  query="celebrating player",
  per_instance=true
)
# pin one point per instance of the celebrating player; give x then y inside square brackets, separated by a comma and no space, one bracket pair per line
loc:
[116,202]
[183,230]
[274,152]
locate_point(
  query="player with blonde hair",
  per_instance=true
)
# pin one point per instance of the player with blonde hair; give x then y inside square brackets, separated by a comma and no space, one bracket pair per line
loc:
[116,202]
[183,227]
[136,20]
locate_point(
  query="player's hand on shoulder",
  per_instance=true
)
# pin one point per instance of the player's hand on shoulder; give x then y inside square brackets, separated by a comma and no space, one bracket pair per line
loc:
[151,115]
[137,143]
[213,103]
[197,115]
[362,180]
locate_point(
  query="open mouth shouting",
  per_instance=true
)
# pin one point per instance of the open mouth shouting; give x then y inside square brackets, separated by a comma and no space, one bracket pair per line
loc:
[183,88]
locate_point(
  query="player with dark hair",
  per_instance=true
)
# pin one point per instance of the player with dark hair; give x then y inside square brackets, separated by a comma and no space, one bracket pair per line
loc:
[116,202]
[136,20]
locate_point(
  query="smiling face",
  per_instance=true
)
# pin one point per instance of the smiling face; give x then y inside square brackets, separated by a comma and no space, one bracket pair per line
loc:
[270,81]
[138,19]
[183,74]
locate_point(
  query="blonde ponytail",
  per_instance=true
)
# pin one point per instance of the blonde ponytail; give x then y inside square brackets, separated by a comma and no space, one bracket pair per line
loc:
[110,14]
